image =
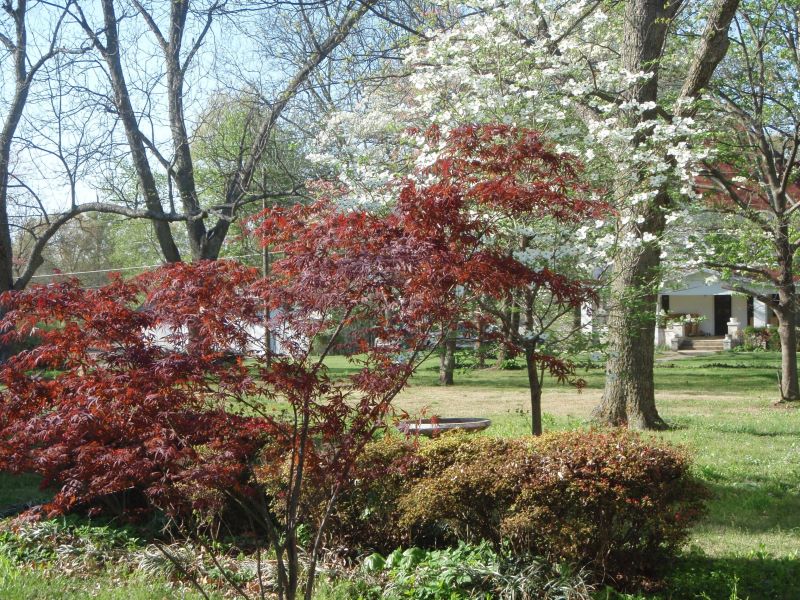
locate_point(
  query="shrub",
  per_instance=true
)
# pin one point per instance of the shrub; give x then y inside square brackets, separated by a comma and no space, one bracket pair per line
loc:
[471,571]
[761,338]
[368,515]
[615,502]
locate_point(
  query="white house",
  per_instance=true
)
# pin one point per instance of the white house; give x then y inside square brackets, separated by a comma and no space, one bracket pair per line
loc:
[711,313]
[701,314]
[280,335]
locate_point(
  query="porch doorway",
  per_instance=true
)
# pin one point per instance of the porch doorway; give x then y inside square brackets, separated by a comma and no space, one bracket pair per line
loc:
[722,314]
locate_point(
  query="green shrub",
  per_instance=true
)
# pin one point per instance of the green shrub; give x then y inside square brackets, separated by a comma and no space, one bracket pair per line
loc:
[761,338]
[615,502]
[470,571]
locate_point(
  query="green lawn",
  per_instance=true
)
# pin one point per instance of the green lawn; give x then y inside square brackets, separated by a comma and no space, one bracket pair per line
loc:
[32,584]
[720,407]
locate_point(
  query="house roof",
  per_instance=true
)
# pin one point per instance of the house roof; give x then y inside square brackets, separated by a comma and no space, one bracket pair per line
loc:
[748,190]
[695,284]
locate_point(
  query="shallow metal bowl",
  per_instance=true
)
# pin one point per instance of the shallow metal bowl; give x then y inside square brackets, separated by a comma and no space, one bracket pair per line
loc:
[431,427]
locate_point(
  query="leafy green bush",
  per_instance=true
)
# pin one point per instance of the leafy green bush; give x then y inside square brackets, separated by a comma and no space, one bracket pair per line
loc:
[470,571]
[615,502]
[761,338]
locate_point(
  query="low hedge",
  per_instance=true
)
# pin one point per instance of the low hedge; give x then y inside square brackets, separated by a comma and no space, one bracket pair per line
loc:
[617,503]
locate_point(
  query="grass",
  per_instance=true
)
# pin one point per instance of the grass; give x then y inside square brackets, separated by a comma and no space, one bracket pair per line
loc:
[22,489]
[720,407]
[34,584]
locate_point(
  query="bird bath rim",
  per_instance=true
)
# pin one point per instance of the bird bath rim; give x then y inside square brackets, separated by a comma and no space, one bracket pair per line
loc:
[429,427]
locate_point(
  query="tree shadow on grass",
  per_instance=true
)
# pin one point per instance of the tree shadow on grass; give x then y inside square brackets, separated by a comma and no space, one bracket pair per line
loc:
[757,577]
[754,508]
[19,491]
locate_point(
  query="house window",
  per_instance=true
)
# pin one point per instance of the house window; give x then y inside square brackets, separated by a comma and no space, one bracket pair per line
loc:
[665,303]
[750,311]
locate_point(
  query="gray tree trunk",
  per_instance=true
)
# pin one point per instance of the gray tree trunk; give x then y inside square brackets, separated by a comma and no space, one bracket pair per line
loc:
[629,394]
[787,313]
[447,359]
[535,386]
[787,331]
[628,397]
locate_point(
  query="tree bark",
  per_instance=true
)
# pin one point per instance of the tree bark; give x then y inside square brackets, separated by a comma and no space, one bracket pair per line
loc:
[535,385]
[787,312]
[787,331]
[110,51]
[447,358]
[629,394]
[628,397]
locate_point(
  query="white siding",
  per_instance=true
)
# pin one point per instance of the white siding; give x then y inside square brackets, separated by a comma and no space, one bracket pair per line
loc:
[704,305]
[701,305]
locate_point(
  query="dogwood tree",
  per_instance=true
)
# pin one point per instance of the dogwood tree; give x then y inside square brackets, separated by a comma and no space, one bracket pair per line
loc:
[611,83]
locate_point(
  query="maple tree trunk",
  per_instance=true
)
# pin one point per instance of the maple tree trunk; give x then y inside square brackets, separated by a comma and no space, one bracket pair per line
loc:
[535,385]
[447,359]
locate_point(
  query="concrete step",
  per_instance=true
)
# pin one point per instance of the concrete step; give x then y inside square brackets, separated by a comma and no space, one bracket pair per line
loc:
[710,344]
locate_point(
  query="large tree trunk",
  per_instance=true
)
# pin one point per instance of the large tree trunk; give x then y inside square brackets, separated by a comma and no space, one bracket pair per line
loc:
[629,394]
[628,398]
[112,54]
[15,108]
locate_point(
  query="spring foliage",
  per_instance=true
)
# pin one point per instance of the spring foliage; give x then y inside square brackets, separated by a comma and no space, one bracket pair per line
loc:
[615,503]
[160,389]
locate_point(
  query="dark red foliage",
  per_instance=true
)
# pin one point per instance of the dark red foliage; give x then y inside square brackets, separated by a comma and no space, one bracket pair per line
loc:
[103,406]
[171,416]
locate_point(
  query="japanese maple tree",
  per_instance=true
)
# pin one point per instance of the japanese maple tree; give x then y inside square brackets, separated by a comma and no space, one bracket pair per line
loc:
[163,387]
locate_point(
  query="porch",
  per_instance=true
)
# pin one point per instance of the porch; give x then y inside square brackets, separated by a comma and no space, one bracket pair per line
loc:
[706,311]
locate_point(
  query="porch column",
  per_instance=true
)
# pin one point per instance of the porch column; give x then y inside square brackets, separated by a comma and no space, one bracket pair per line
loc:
[759,313]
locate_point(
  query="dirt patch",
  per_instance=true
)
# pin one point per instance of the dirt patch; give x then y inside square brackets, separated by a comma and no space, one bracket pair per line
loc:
[476,402]
[466,401]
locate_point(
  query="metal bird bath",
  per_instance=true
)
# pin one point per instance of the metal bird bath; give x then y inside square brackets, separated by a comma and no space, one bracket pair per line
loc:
[432,427]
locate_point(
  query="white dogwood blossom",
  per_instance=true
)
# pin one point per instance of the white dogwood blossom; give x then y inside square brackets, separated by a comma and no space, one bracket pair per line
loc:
[557,71]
